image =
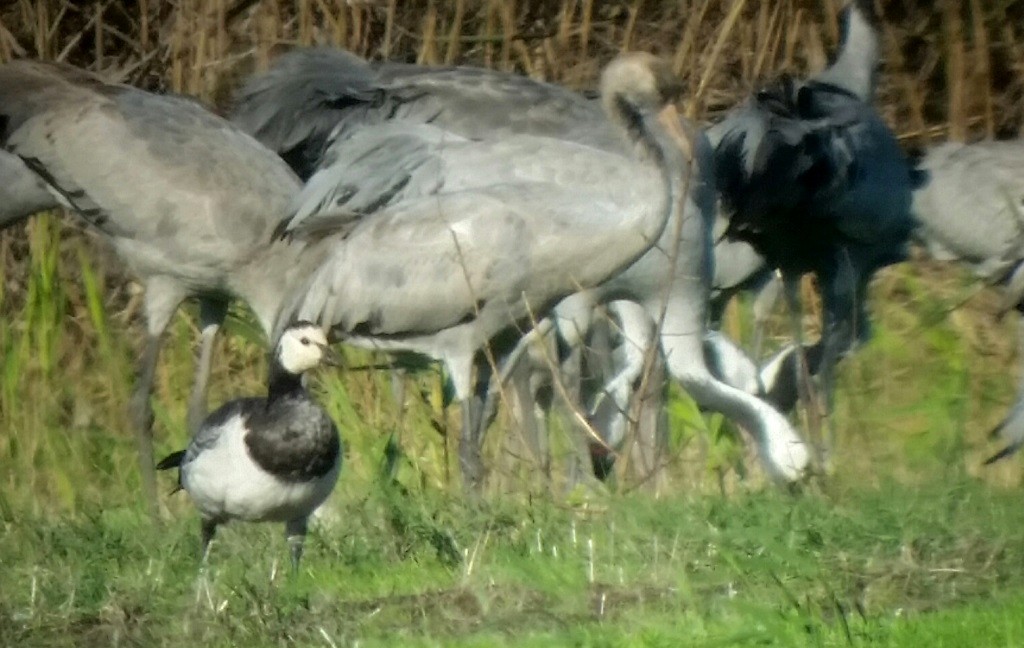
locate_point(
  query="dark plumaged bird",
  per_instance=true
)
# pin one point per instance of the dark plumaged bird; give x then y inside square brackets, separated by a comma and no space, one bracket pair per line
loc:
[811,176]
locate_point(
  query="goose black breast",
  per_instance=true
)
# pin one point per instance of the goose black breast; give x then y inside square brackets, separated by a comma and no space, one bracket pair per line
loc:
[292,439]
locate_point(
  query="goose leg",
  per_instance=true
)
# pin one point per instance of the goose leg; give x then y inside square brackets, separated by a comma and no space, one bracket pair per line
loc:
[162,299]
[207,529]
[295,534]
[211,317]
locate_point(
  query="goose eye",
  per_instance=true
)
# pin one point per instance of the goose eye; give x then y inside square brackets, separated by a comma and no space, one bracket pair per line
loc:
[305,341]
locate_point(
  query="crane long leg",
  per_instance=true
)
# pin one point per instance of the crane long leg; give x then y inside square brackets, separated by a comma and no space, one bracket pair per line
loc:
[211,317]
[524,414]
[610,410]
[162,299]
[142,420]
[805,390]
[834,343]
[1020,350]
[470,460]
[652,426]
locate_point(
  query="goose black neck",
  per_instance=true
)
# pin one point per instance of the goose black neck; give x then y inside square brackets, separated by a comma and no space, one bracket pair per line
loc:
[281,382]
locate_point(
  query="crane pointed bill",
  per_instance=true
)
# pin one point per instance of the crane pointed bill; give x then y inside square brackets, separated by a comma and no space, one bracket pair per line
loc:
[331,357]
[668,117]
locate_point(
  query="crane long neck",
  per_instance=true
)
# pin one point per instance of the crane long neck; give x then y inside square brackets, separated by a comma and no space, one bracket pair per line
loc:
[658,138]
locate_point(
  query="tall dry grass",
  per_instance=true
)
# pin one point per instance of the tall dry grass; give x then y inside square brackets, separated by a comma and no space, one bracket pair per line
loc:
[69,315]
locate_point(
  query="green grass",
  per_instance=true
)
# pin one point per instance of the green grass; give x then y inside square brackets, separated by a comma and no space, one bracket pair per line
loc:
[892,566]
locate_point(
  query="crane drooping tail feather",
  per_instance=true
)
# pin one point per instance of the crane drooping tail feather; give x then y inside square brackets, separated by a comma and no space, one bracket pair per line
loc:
[293,107]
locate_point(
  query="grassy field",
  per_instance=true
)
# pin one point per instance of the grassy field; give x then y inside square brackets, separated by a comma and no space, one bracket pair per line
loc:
[937,564]
[910,543]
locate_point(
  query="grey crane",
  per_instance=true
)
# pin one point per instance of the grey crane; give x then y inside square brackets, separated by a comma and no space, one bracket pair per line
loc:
[501,250]
[398,163]
[812,177]
[184,197]
[274,458]
[971,209]
[312,98]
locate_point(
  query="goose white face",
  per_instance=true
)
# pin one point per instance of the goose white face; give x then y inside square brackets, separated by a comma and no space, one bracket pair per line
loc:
[301,348]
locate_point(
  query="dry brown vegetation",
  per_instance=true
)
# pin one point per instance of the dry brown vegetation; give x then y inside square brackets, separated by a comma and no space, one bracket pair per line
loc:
[953,66]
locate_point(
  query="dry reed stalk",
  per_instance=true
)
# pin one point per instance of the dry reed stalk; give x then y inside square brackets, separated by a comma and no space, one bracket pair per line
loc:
[711,66]
[982,68]
[795,37]
[455,33]
[586,24]
[627,34]
[687,43]
[428,44]
[488,33]
[956,68]
[389,26]
[343,27]
[358,43]
[772,47]
[305,23]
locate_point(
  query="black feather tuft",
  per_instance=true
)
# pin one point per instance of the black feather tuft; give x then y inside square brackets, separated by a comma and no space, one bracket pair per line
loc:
[172,460]
[1004,453]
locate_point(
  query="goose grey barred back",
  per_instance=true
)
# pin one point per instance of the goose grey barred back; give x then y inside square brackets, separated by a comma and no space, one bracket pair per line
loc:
[972,210]
[274,458]
[397,164]
[184,197]
[812,177]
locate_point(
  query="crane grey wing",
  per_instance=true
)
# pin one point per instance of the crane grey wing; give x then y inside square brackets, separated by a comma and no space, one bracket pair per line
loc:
[368,169]
[237,191]
[432,263]
[484,104]
[294,107]
[402,272]
[373,167]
